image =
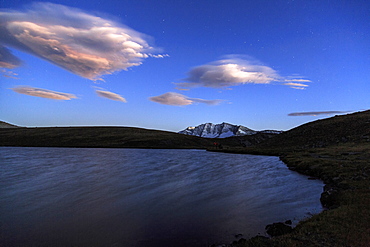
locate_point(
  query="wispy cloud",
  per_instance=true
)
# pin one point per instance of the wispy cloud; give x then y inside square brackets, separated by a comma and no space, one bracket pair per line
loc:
[8,73]
[298,80]
[235,70]
[43,93]
[296,85]
[84,44]
[177,99]
[110,95]
[315,113]
[158,55]
[7,59]
[207,102]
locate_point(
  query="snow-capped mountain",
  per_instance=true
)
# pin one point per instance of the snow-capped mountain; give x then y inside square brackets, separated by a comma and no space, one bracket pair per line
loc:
[210,130]
[223,130]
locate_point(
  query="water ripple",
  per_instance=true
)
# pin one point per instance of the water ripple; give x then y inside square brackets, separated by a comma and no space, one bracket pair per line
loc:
[128,197]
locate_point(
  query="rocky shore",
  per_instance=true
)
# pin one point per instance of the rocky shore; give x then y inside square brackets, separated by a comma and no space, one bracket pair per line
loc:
[345,170]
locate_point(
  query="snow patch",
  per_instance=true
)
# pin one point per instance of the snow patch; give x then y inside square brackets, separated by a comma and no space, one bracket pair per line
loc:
[223,130]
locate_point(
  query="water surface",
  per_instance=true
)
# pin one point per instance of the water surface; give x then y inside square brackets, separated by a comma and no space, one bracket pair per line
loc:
[143,197]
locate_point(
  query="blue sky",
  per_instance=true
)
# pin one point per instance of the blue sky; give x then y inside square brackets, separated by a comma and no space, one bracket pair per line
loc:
[172,64]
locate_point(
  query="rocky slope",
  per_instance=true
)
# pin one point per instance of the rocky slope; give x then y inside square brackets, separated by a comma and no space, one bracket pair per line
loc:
[223,130]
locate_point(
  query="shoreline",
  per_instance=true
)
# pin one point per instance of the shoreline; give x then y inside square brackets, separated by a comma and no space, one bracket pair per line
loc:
[261,240]
[272,164]
[345,220]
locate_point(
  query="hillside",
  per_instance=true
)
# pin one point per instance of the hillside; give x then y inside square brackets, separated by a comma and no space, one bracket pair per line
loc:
[337,151]
[7,125]
[350,128]
[114,137]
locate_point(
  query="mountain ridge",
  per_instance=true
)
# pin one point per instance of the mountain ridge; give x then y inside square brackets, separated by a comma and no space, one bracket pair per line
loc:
[116,137]
[351,128]
[335,150]
[223,130]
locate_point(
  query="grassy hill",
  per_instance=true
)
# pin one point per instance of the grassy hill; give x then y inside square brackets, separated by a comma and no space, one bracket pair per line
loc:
[337,151]
[114,137]
[7,125]
[351,128]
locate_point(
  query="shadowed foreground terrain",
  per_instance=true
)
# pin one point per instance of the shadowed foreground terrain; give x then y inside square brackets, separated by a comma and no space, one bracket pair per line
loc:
[337,151]
[114,137]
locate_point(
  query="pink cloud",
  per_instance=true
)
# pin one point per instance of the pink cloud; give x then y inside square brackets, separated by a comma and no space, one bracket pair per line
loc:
[315,113]
[235,70]
[110,95]
[176,99]
[84,44]
[43,93]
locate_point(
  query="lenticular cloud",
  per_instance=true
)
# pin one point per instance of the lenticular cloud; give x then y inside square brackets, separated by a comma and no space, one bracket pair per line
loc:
[236,70]
[315,113]
[176,99]
[43,93]
[84,44]
[110,95]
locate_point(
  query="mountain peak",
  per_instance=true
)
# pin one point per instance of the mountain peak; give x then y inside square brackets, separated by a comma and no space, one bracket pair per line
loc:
[223,130]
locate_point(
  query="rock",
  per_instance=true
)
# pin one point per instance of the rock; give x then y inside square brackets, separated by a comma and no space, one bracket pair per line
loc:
[242,241]
[288,222]
[278,229]
[256,241]
[330,197]
[259,238]
[239,242]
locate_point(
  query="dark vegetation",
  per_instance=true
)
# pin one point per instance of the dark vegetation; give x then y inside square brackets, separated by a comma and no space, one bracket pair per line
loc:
[335,150]
[7,125]
[115,137]
[112,137]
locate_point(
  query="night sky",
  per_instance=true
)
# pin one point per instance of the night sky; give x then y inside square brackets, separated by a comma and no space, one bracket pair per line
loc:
[168,65]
